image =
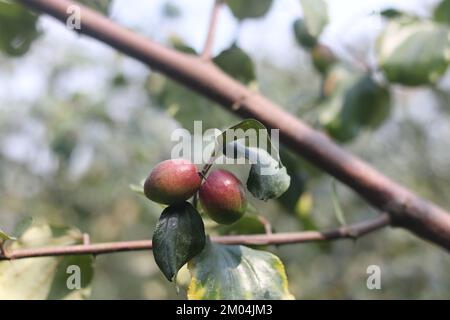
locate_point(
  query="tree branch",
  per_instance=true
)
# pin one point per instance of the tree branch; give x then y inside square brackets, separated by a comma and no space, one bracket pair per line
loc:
[207,49]
[406,209]
[348,232]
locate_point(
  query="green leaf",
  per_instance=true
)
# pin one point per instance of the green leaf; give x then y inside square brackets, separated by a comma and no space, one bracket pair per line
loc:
[315,14]
[223,272]
[250,139]
[179,236]
[336,205]
[237,64]
[442,12]
[245,130]
[267,186]
[391,13]
[46,278]
[413,52]
[356,103]
[302,34]
[102,6]
[18,28]
[243,9]
[4,236]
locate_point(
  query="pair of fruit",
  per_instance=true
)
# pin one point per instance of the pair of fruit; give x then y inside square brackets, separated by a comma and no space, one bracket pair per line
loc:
[221,195]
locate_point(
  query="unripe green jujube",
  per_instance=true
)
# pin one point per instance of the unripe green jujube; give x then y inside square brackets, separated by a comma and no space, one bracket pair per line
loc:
[323,58]
[172,181]
[223,197]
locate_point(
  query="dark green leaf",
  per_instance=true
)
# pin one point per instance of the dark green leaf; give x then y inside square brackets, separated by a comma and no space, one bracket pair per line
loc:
[391,13]
[243,9]
[302,34]
[237,64]
[250,139]
[179,236]
[237,272]
[17,28]
[46,278]
[442,12]
[268,179]
[356,103]
[413,52]
[249,129]
[315,14]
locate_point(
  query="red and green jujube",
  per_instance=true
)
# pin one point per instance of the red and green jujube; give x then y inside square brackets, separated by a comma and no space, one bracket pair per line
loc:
[223,197]
[172,182]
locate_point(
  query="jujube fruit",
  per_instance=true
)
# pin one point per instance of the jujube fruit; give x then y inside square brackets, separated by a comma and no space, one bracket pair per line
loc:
[222,196]
[323,58]
[172,181]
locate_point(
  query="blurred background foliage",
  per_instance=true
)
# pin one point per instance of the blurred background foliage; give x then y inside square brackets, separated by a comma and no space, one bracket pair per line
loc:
[79,122]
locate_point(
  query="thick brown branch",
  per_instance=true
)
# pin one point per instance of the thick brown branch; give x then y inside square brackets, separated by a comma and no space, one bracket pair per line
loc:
[406,209]
[352,231]
[207,49]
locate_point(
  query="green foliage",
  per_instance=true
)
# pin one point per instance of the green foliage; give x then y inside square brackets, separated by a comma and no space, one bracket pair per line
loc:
[18,28]
[102,6]
[185,105]
[413,52]
[243,9]
[178,237]
[302,34]
[355,103]
[268,179]
[237,272]
[315,15]
[45,278]
[237,64]
[442,12]
[267,186]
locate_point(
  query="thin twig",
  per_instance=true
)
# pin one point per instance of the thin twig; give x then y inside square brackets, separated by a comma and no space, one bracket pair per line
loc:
[352,231]
[207,48]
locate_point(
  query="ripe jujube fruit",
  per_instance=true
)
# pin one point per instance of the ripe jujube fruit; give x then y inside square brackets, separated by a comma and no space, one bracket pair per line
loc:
[222,196]
[172,181]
